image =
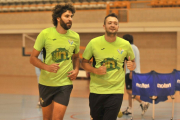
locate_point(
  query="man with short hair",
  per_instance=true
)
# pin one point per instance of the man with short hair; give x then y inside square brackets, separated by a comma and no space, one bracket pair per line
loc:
[59,46]
[107,70]
[128,79]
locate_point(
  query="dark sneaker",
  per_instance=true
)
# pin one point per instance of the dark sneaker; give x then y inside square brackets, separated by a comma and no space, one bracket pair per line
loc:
[127,111]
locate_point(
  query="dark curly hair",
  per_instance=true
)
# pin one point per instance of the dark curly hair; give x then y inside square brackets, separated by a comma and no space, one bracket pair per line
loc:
[58,10]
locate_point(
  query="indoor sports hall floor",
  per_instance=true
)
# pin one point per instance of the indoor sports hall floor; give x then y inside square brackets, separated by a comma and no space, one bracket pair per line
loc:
[18,101]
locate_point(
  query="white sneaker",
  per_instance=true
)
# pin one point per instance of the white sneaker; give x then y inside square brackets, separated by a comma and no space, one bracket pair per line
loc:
[144,107]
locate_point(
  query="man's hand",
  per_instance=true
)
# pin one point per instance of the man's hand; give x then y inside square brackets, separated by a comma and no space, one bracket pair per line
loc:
[101,70]
[52,68]
[130,64]
[73,74]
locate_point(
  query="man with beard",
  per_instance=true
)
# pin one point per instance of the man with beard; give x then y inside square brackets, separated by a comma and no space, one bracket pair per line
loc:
[59,46]
[107,74]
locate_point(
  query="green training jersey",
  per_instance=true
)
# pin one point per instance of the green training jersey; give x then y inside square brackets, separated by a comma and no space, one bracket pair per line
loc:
[59,48]
[113,55]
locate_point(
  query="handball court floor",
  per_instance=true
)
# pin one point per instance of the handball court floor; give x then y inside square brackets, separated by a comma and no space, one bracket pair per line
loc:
[19,97]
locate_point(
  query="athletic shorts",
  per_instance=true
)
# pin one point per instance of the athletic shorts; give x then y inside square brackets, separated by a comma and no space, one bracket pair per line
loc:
[105,106]
[59,94]
[128,82]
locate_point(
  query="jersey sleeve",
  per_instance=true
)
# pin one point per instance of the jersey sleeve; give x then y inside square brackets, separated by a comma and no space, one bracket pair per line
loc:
[77,49]
[40,42]
[88,52]
[130,52]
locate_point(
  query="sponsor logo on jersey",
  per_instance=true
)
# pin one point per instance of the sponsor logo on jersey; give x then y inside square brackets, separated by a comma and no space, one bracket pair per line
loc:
[59,55]
[164,85]
[102,48]
[110,64]
[142,85]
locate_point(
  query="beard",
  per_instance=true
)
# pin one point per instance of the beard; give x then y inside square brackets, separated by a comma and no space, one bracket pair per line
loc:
[64,25]
[111,33]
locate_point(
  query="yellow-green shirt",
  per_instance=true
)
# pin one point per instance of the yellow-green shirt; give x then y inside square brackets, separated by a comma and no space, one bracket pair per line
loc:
[59,48]
[113,55]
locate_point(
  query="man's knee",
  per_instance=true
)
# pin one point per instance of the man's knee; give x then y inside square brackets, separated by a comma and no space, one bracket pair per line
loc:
[58,118]
[47,112]
[47,117]
[58,111]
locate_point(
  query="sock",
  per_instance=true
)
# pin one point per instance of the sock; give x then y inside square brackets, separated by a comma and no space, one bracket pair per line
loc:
[142,102]
[129,110]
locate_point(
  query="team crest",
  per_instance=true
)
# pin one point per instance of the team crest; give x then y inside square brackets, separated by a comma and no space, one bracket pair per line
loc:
[70,42]
[120,50]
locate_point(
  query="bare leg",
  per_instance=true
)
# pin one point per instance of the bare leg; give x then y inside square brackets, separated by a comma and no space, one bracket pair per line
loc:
[58,111]
[138,98]
[129,92]
[130,98]
[47,112]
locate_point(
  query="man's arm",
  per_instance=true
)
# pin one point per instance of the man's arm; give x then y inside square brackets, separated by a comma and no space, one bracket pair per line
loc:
[100,71]
[134,64]
[125,65]
[38,63]
[76,61]
[131,65]
[73,74]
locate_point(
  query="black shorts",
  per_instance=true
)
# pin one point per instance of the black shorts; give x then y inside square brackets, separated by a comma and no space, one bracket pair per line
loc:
[105,106]
[59,94]
[128,82]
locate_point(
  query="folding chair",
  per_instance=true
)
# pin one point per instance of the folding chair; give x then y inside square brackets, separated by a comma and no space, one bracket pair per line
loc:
[163,3]
[177,80]
[142,84]
[154,3]
[171,2]
[154,87]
